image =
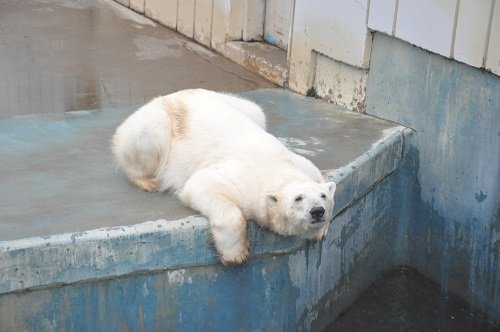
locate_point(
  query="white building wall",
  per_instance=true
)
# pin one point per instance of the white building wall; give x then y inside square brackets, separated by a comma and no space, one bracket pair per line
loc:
[330,40]
[185,17]
[427,23]
[465,30]
[336,30]
[277,22]
[471,36]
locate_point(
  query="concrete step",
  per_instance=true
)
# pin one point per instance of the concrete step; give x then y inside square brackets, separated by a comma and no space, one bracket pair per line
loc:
[262,58]
[67,217]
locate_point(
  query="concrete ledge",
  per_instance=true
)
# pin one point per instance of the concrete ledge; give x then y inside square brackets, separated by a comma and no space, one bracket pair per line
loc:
[64,163]
[168,245]
[360,176]
[115,250]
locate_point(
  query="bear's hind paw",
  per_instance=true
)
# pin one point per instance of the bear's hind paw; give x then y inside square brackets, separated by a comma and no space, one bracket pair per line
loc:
[146,184]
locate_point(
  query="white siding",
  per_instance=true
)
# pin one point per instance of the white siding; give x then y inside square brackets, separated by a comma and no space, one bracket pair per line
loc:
[472,31]
[382,15]
[335,28]
[277,22]
[185,17]
[203,21]
[493,55]
[427,23]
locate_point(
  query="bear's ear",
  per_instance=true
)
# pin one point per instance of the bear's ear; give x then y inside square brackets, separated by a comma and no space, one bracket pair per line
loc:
[272,198]
[331,187]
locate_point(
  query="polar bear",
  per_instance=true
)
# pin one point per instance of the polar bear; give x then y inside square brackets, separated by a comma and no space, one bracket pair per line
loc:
[212,149]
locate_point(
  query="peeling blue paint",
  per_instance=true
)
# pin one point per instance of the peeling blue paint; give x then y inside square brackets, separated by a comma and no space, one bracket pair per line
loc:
[480,197]
[279,292]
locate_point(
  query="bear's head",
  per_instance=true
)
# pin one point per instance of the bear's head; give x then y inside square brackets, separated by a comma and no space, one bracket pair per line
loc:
[302,208]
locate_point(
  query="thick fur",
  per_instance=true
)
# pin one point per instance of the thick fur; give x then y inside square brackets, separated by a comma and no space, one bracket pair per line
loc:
[213,151]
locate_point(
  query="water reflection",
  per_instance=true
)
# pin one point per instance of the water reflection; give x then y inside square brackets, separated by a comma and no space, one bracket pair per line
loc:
[43,92]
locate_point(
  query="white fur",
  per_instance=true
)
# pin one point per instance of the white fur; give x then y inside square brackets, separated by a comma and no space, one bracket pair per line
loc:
[213,150]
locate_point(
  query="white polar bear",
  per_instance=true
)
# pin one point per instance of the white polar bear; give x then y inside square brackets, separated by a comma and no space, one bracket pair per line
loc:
[213,150]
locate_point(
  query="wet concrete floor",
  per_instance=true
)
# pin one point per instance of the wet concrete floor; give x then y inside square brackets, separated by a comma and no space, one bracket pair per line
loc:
[404,300]
[65,55]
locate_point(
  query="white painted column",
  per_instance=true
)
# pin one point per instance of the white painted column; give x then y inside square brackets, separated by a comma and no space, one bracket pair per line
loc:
[335,32]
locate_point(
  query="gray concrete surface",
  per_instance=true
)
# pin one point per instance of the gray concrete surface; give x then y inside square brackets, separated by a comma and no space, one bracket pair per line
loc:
[65,55]
[57,173]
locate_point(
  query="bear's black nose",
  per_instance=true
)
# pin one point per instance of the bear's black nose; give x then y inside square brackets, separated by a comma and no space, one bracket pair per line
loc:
[317,212]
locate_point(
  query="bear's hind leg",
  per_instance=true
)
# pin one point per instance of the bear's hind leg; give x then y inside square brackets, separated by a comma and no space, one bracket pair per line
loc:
[227,224]
[141,145]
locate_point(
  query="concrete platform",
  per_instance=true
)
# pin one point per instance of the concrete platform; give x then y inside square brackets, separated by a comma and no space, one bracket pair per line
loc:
[57,175]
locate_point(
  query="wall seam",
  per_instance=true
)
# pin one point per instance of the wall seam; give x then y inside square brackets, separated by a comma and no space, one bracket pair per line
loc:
[176,16]
[488,34]
[454,33]
[211,22]
[290,37]
[395,18]
[194,19]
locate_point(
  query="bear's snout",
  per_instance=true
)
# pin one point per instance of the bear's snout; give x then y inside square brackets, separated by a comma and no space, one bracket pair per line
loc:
[317,212]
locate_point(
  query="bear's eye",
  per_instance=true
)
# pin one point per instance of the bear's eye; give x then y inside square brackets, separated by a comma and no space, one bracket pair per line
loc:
[323,196]
[298,198]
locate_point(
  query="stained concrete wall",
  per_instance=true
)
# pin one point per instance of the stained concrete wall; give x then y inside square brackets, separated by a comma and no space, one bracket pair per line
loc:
[302,288]
[162,276]
[448,202]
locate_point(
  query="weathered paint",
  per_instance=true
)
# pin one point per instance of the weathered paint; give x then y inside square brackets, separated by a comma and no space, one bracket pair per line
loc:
[339,83]
[448,202]
[297,290]
[266,60]
[337,31]
[120,250]
[277,22]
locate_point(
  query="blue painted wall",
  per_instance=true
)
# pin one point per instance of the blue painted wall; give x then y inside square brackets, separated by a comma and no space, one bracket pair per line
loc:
[302,290]
[447,196]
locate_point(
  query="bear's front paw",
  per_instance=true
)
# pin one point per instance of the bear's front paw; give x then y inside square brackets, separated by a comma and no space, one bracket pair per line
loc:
[235,256]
